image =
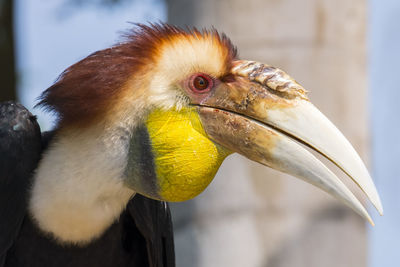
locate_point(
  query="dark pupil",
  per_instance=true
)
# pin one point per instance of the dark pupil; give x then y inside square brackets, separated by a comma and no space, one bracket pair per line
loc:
[200,83]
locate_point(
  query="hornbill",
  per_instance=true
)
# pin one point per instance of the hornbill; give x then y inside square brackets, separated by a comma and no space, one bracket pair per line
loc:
[146,121]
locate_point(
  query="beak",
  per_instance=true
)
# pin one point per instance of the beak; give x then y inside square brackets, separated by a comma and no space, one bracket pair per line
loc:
[265,115]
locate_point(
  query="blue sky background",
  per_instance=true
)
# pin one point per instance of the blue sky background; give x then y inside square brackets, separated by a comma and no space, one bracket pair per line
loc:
[49,40]
[384,78]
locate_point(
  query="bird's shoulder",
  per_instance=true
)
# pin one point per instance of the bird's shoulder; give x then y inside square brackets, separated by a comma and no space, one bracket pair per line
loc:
[20,149]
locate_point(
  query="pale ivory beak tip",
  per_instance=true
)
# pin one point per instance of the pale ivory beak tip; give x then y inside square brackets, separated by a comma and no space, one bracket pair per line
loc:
[371,222]
[377,204]
[380,211]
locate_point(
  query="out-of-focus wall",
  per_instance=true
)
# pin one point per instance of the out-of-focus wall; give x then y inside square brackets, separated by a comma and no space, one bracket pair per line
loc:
[251,215]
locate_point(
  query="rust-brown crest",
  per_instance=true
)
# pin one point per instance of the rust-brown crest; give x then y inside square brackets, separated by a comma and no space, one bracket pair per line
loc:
[85,90]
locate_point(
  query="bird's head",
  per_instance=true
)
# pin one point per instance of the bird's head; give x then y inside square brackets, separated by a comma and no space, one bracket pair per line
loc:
[187,102]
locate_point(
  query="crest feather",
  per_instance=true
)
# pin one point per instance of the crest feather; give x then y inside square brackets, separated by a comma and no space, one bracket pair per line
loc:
[88,88]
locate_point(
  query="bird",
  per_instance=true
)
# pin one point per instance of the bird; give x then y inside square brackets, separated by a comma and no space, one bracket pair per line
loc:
[146,122]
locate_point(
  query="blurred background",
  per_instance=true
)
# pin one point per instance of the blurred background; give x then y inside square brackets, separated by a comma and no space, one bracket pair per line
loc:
[345,53]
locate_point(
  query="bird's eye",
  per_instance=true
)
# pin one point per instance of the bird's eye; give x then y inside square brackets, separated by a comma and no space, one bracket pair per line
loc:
[201,83]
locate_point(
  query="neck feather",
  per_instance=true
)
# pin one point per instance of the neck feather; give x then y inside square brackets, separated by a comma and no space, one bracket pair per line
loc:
[78,190]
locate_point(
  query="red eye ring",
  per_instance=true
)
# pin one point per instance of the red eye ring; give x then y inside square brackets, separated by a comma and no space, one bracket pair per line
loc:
[201,83]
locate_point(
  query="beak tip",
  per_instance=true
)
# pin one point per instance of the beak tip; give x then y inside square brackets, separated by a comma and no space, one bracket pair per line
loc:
[372,223]
[380,212]
[365,214]
[378,205]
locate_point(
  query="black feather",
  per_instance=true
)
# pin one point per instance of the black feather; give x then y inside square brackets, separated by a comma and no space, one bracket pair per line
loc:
[19,155]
